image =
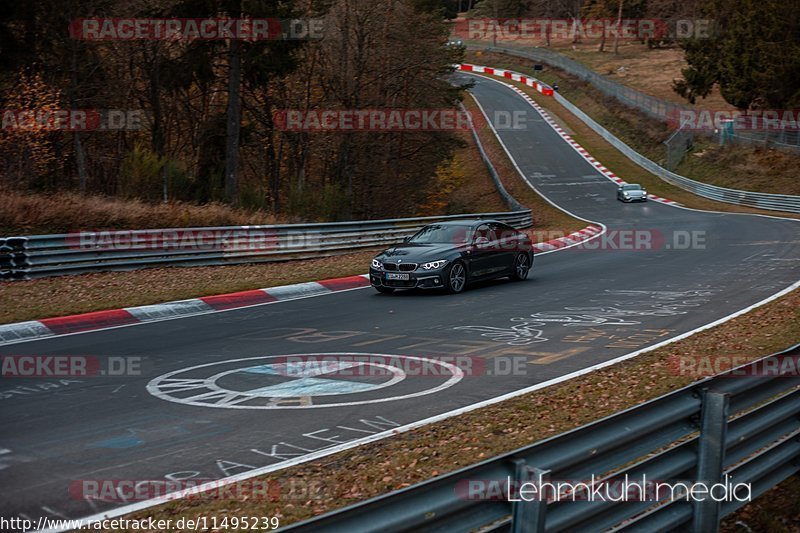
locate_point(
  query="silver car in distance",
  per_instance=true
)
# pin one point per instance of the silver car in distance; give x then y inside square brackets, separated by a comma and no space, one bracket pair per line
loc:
[631,192]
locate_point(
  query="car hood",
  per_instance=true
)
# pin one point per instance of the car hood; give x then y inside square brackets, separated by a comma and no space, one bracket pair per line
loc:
[416,253]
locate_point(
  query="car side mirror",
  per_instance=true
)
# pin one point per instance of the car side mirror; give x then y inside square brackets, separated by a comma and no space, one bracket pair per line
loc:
[406,239]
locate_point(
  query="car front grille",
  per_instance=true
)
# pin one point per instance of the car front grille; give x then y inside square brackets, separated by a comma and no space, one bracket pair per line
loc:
[402,267]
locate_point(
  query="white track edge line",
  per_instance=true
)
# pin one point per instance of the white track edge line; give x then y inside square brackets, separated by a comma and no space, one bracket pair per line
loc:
[674,204]
[443,416]
[526,180]
[414,425]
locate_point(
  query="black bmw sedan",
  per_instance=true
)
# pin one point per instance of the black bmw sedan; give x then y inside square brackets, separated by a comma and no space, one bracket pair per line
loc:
[450,255]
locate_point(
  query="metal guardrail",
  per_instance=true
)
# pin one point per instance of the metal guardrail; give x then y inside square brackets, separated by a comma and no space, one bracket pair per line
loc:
[737,424]
[759,200]
[53,255]
[509,200]
[660,109]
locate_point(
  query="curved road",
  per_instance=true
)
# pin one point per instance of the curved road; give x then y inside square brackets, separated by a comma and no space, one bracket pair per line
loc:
[579,308]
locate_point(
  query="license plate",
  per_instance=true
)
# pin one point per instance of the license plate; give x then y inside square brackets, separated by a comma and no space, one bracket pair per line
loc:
[392,275]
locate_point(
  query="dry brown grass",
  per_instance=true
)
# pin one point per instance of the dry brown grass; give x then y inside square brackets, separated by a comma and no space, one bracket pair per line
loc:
[776,511]
[66,295]
[735,166]
[30,213]
[37,213]
[651,71]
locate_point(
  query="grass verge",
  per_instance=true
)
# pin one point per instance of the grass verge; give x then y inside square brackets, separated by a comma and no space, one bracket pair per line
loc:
[776,511]
[732,165]
[40,213]
[433,450]
[649,70]
[67,295]
[462,185]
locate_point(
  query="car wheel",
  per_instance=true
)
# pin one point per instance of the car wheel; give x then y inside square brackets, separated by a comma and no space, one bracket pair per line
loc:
[456,278]
[384,290]
[522,265]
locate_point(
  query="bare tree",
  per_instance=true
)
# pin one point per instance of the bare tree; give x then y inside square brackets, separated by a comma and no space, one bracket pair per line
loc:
[619,26]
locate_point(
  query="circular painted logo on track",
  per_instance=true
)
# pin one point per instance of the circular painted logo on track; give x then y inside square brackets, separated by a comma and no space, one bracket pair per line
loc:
[305,381]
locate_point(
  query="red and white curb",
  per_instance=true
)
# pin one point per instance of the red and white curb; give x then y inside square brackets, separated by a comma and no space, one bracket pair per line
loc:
[112,318]
[553,124]
[576,237]
[51,327]
[510,74]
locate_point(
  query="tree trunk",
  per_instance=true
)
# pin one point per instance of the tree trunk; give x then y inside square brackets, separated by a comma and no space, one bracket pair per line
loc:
[157,133]
[576,36]
[80,160]
[233,124]
[80,157]
[619,27]
[275,178]
[547,31]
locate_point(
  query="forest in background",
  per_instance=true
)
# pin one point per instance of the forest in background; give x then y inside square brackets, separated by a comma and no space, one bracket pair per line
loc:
[209,134]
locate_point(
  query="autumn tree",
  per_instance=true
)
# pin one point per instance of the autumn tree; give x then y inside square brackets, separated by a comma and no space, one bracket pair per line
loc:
[753,55]
[30,134]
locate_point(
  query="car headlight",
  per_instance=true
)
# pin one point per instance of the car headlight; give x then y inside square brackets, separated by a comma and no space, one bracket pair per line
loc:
[644,193]
[377,265]
[439,263]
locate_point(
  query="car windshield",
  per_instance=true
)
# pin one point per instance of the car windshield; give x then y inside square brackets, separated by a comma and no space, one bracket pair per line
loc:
[438,233]
[631,187]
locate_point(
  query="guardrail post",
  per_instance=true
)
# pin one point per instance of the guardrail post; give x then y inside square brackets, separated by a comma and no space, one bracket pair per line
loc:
[710,458]
[528,516]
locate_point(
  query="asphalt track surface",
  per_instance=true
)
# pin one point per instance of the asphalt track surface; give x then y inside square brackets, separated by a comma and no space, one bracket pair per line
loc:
[578,308]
